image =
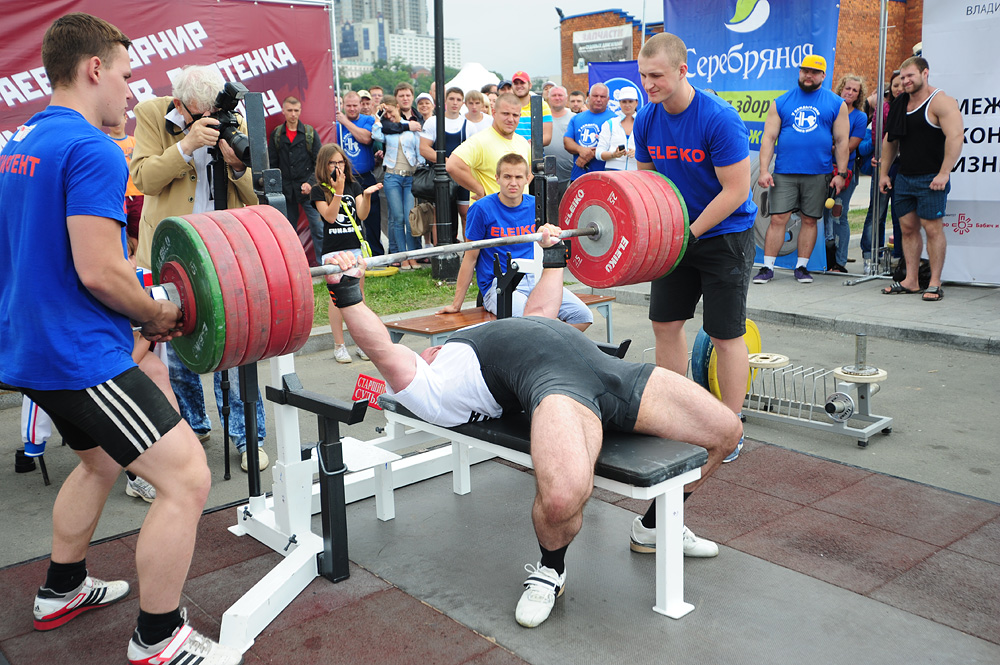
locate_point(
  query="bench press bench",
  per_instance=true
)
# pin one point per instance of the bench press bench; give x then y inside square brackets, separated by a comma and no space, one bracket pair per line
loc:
[439,327]
[635,465]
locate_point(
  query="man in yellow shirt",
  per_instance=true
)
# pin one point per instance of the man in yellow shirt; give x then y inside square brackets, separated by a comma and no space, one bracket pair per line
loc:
[473,164]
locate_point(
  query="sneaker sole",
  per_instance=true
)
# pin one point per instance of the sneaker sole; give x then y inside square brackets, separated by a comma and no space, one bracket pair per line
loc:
[131,492]
[641,548]
[52,624]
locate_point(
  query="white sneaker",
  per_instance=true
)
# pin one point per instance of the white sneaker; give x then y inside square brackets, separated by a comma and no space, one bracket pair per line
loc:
[644,542]
[54,609]
[361,354]
[141,489]
[340,354]
[262,460]
[186,645]
[542,588]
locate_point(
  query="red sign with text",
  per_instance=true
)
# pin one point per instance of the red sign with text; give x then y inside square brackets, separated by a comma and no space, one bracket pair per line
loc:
[368,388]
[275,49]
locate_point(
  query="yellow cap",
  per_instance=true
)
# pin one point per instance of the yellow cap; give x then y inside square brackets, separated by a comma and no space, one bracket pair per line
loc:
[814,62]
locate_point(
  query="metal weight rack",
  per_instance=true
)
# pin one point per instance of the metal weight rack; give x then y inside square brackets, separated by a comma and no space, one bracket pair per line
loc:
[783,392]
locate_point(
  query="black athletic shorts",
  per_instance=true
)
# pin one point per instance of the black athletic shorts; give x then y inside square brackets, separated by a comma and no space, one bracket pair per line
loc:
[523,360]
[718,268]
[124,415]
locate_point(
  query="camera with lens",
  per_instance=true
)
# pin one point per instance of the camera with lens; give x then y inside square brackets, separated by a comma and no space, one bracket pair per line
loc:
[229,122]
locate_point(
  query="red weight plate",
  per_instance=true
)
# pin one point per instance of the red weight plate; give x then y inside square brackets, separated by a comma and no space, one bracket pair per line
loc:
[174,273]
[300,280]
[234,297]
[277,280]
[655,249]
[616,256]
[254,281]
[643,222]
[673,220]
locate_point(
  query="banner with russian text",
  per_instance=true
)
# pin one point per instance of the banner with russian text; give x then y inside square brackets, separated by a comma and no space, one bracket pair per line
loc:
[275,49]
[960,46]
[749,51]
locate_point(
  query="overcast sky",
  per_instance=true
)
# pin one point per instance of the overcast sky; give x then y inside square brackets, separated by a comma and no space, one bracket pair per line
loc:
[530,25]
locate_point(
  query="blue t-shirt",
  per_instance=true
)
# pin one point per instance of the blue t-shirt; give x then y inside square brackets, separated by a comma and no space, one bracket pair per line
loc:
[361,155]
[55,334]
[859,129]
[805,142]
[585,129]
[490,218]
[688,146]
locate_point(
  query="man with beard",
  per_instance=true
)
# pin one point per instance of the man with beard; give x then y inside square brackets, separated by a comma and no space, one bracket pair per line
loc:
[925,128]
[805,121]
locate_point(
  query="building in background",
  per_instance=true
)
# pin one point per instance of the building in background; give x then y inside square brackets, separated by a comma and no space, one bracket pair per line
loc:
[398,15]
[418,50]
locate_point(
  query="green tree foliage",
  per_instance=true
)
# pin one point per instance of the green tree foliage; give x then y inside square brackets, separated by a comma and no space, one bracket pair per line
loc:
[389,74]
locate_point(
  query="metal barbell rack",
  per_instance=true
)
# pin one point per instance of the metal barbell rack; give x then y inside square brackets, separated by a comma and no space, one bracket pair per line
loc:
[783,392]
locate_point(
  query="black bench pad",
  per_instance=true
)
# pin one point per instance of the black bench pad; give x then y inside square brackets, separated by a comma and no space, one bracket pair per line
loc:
[633,459]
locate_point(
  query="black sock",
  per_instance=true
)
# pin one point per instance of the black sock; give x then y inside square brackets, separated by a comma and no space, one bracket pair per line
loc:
[649,519]
[131,476]
[153,628]
[554,559]
[64,577]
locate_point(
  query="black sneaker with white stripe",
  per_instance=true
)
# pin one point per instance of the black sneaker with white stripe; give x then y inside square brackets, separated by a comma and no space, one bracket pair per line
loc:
[54,609]
[185,647]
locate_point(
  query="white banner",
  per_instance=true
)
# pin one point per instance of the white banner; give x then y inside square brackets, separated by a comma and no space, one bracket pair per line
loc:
[960,43]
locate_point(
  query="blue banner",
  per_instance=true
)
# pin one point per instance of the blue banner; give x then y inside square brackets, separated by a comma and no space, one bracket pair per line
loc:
[617,75]
[749,51]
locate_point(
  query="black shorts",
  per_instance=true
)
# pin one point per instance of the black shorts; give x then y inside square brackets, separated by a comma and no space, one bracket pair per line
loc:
[124,415]
[524,360]
[718,268]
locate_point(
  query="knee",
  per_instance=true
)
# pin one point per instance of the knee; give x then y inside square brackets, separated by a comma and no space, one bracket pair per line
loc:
[560,506]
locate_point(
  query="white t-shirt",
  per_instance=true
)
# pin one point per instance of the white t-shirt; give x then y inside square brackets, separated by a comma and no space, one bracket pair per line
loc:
[451,126]
[451,390]
[476,127]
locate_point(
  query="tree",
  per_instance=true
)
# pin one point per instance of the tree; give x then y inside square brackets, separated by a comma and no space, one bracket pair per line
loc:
[386,74]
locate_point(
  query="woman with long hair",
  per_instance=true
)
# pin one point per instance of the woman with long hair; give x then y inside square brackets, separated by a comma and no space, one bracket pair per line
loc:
[402,156]
[894,89]
[343,205]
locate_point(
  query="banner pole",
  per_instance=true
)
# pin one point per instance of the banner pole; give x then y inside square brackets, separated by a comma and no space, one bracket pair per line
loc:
[336,61]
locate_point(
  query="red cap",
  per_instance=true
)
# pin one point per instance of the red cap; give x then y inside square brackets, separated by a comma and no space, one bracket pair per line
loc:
[521,75]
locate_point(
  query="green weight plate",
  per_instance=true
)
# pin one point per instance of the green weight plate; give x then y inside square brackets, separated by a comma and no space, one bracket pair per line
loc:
[254,282]
[175,239]
[234,297]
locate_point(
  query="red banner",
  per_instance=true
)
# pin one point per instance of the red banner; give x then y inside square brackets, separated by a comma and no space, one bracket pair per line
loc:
[275,49]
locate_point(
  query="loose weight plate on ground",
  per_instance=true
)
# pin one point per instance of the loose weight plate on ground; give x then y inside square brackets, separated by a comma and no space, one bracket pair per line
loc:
[705,362]
[254,282]
[615,256]
[176,241]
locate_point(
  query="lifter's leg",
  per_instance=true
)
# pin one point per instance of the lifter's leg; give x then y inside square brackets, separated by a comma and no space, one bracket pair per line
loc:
[565,441]
[78,506]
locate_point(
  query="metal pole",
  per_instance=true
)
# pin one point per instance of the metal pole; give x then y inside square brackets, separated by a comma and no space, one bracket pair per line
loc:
[336,60]
[642,35]
[445,265]
[386,259]
[876,173]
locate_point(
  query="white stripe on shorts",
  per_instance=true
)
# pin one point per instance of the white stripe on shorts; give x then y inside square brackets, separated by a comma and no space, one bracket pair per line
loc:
[115,404]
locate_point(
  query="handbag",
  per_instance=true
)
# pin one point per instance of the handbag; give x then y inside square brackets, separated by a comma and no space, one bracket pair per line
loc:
[421,218]
[422,186]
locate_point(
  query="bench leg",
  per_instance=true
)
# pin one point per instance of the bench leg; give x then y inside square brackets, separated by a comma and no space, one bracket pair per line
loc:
[670,555]
[395,336]
[461,478]
[604,309]
[385,502]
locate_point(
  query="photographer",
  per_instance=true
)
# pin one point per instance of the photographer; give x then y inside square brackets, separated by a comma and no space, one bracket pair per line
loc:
[170,166]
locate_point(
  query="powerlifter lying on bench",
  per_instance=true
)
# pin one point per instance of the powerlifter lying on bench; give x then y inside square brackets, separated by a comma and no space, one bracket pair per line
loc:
[571,390]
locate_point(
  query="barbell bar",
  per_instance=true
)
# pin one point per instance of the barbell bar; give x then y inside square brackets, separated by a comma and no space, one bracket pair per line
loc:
[592,231]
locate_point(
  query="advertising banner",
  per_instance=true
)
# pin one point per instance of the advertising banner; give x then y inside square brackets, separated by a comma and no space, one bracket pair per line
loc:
[617,75]
[601,45]
[749,51]
[278,50]
[960,46]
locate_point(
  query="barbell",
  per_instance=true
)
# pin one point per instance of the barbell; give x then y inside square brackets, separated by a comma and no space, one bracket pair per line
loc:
[245,288]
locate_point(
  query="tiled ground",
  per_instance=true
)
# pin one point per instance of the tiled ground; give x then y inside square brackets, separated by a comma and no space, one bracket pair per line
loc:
[925,551]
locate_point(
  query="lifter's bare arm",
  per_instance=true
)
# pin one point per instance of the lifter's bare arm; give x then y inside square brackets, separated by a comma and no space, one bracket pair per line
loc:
[108,275]
[546,297]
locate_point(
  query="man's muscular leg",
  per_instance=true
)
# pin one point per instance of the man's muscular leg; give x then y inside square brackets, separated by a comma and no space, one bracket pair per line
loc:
[671,346]
[807,236]
[733,371]
[774,238]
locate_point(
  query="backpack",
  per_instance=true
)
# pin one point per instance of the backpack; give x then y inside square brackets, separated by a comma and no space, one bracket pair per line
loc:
[310,136]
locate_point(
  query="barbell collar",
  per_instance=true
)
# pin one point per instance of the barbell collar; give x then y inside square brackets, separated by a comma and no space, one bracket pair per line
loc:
[456,248]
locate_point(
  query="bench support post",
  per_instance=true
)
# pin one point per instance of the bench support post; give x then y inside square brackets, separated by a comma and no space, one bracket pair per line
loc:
[670,556]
